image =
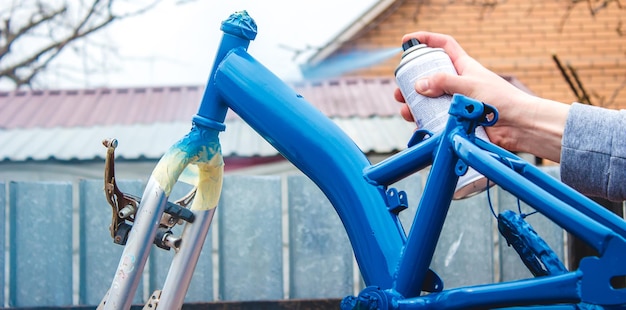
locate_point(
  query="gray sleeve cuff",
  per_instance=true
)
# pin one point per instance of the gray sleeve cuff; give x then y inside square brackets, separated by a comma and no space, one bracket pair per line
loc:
[593,152]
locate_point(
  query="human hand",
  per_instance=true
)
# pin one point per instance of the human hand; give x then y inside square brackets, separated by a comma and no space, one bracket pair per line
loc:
[520,113]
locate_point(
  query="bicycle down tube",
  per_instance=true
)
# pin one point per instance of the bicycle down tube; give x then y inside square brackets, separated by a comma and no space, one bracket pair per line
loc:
[394,266]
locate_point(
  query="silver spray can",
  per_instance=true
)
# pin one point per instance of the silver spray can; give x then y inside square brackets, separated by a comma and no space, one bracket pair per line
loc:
[418,61]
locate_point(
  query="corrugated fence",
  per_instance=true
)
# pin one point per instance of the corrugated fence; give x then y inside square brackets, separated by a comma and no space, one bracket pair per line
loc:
[273,237]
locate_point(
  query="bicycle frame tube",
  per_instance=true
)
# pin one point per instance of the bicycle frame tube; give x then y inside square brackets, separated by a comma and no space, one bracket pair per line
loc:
[319,148]
[424,234]
[588,230]
[556,188]
[546,290]
[403,164]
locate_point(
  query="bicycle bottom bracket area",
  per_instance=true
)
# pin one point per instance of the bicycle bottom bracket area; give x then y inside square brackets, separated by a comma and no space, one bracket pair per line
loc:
[371,297]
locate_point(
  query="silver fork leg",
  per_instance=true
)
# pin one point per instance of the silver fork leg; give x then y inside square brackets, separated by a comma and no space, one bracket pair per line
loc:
[137,248]
[184,262]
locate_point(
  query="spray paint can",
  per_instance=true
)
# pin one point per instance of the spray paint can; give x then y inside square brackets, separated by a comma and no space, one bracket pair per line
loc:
[418,61]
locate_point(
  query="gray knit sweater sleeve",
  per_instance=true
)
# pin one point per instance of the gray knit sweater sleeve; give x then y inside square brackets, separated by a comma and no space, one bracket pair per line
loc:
[593,153]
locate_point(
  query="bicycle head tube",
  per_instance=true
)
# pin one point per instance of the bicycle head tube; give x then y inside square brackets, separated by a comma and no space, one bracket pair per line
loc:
[239,29]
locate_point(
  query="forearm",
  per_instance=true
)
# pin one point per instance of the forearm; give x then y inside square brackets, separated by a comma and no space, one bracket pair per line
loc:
[544,134]
[530,124]
[593,158]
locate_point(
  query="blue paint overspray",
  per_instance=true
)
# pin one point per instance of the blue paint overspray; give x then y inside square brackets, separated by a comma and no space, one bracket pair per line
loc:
[345,63]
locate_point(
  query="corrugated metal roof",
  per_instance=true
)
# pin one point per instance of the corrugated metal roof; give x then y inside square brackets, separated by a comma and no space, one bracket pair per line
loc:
[150,141]
[70,124]
[344,97]
[358,97]
[91,107]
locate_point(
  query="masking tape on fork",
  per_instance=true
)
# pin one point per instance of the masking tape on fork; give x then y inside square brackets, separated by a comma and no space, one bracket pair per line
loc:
[200,153]
[199,150]
[210,178]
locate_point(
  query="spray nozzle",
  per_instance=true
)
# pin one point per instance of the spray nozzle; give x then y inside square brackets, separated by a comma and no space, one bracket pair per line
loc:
[410,43]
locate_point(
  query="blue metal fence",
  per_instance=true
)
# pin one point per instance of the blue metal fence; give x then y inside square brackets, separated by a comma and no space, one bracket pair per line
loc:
[273,238]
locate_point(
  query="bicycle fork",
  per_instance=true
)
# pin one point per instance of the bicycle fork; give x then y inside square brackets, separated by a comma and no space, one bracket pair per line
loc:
[200,149]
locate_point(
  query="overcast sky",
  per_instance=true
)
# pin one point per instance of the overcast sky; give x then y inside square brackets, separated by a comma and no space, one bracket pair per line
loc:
[174,44]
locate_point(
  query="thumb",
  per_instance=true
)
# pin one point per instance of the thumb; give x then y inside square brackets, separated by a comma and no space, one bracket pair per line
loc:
[439,84]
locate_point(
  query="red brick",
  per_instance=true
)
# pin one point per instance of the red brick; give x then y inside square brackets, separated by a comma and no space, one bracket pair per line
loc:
[518,37]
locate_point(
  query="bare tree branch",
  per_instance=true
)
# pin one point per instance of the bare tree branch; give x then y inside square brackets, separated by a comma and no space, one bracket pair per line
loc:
[601,5]
[54,30]
[35,20]
[593,6]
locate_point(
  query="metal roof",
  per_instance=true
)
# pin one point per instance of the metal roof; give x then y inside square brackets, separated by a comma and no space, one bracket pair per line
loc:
[70,124]
[346,97]
[150,141]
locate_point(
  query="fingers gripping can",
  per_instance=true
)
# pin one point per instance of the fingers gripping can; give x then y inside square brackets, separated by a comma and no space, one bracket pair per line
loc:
[418,61]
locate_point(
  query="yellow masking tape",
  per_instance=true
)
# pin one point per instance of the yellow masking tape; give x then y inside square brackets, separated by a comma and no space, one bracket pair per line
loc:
[207,160]
[210,177]
[169,168]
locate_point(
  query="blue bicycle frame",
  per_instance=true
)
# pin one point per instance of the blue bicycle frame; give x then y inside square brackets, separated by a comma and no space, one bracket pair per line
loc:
[394,266]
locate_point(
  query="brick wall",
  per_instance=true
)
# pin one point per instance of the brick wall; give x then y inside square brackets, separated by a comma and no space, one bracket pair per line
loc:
[518,38]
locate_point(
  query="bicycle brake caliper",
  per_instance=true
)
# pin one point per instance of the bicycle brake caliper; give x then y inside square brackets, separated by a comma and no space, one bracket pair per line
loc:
[123,206]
